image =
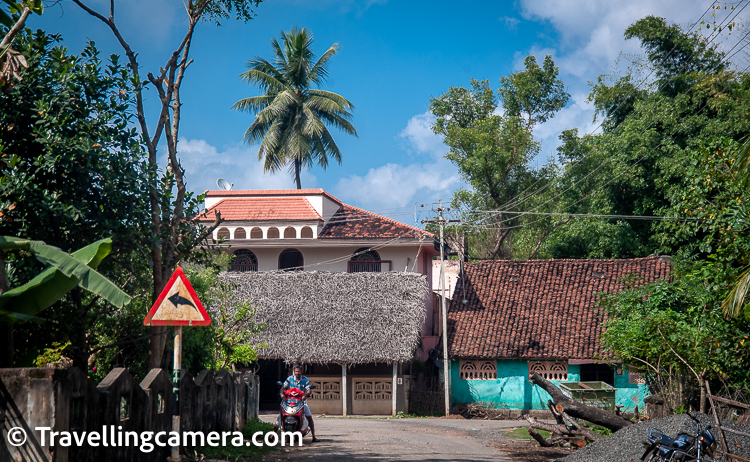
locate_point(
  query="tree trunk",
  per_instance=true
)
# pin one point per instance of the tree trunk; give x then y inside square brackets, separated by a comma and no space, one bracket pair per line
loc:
[579,410]
[17,27]
[297,165]
[80,348]
[562,430]
[7,348]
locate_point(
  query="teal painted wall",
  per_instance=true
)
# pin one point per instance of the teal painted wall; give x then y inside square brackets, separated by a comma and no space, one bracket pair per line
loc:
[512,389]
[628,394]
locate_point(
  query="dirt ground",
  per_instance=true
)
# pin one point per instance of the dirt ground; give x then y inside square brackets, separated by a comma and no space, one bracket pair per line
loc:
[434,439]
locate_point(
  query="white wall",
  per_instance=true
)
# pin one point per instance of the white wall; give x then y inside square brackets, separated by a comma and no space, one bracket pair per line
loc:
[334,258]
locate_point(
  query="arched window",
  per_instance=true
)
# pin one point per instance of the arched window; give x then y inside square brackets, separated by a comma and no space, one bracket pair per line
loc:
[364,260]
[239,233]
[256,233]
[306,233]
[365,254]
[222,233]
[291,259]
[272,233]
[244,260]
[290,233]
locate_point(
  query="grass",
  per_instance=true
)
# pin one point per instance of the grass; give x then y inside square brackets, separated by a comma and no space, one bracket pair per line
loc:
[523,434]
[233,453]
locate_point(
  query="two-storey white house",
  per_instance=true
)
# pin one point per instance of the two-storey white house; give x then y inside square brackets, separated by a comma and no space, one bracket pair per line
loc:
[310,230]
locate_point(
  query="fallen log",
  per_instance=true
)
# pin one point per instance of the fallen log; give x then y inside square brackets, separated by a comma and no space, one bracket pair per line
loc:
[574,430]
[579,410]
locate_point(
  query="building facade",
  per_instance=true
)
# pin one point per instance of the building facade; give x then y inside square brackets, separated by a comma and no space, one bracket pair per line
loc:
[510,319]
[325,248]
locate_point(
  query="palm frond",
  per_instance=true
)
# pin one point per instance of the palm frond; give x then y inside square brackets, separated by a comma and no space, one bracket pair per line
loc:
[253,103]
[312,126]
[331,148]
[733,303]
[265,79]
[319,72]
[339,121]
[281,63]
[344,103]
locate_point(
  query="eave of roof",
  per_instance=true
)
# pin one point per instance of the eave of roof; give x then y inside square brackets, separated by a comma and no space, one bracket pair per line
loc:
[268,209]
[272,192]
[352,222]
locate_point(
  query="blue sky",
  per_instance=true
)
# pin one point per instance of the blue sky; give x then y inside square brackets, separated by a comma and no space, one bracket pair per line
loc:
[394,56]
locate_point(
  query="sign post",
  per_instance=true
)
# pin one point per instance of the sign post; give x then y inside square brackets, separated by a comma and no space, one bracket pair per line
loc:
[177,306]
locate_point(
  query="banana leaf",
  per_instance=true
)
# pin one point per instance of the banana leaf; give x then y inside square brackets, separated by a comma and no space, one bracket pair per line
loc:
[66,272]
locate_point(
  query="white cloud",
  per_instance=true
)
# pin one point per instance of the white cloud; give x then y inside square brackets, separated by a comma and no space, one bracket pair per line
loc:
[396,185]
[591,31]
[590,42]
[579,113]
[510,23]
[238,164]
[421,138]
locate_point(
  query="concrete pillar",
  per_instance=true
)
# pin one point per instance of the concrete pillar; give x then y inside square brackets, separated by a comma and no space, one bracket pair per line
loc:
[394,388]
[343,389]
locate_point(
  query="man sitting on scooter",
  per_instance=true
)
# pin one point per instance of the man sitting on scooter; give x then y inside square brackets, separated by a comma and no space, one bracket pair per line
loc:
[300,381]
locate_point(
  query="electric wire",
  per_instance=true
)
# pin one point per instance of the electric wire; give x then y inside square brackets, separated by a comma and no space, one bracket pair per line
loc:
[609,159]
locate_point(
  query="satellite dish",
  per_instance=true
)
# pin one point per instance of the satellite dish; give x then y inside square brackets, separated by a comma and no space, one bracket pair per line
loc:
[224,184]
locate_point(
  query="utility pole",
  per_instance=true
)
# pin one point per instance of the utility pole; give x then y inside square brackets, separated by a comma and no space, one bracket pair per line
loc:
[446,364]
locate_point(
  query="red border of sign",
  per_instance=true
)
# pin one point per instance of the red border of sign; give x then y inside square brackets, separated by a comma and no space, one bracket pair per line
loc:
[178,273]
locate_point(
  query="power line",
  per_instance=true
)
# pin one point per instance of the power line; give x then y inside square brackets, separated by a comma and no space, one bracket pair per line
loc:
[609,159]
[588,215]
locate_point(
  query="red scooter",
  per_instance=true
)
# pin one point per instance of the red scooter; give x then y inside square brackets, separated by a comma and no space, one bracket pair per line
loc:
[292,416]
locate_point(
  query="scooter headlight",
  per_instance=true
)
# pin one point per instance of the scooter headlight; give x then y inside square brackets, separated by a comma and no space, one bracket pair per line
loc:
[290,410]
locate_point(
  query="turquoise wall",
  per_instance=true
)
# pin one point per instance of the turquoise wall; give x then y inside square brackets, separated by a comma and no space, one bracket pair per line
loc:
[628,394]
[512,389]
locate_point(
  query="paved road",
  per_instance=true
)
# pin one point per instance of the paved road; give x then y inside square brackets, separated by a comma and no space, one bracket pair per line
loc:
[401,439]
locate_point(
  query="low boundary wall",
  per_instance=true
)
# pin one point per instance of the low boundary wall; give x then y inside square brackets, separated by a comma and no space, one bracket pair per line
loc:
[66,400]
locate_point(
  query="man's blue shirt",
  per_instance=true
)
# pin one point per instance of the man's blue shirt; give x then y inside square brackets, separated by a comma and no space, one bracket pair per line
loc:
[303,384]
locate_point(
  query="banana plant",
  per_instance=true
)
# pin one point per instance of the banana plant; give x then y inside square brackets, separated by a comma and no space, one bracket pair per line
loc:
[64,273]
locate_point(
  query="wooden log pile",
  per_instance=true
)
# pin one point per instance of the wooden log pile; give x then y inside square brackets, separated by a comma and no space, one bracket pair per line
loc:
[567,431]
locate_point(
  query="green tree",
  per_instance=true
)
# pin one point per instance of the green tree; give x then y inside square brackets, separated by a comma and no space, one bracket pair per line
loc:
[675,330]
[230,339]
[71,172]
[173,209]
[493,151]
[734,208]
[291,115]
[640,162]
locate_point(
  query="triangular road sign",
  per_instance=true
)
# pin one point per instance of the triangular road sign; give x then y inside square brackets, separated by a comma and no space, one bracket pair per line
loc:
[177,305]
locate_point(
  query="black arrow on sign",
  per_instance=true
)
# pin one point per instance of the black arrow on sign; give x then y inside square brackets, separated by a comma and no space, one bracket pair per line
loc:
[178,300]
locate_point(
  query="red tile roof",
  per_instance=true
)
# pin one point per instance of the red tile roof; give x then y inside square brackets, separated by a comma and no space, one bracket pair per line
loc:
[537,309]
[354,223]
[271,192]
[262,209]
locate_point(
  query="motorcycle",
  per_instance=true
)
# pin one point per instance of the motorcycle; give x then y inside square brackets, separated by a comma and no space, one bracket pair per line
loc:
[684,448]
[292,416]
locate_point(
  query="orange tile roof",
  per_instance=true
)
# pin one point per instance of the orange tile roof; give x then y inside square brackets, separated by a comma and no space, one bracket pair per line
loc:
[271,192]
[354,223]
[262,209]
[537,309]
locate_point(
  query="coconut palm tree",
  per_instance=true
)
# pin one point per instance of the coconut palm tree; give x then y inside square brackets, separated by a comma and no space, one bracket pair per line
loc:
[291,116]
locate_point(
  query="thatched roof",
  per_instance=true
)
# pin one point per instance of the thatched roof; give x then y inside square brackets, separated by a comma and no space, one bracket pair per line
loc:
[322,317]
